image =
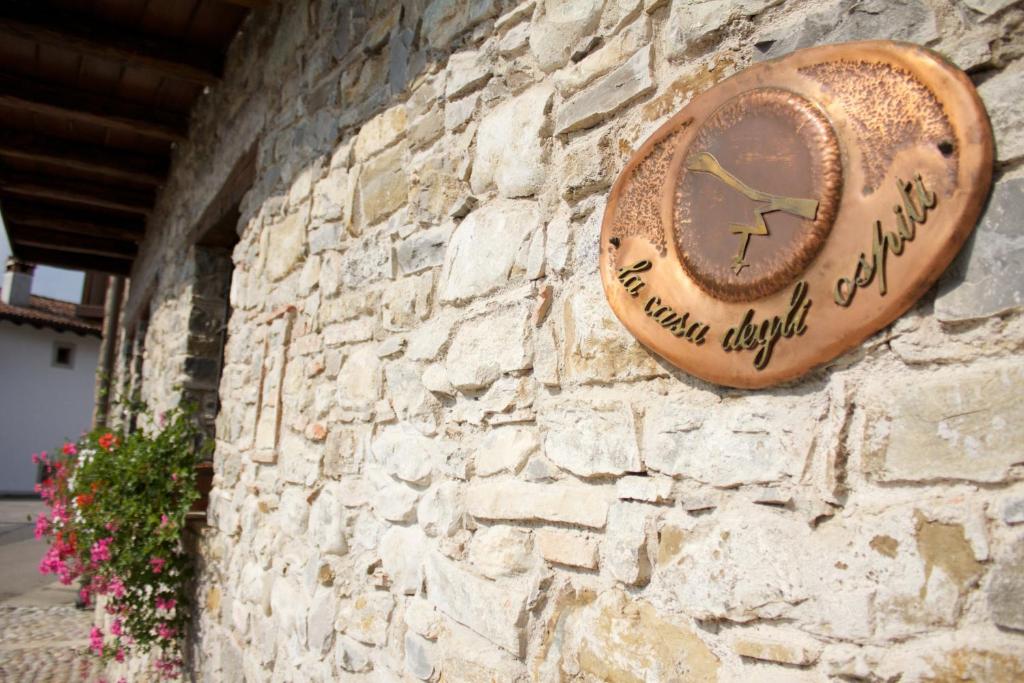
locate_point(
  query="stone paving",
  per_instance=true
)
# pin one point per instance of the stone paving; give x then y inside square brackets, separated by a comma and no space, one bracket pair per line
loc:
[45,644]
[43,638]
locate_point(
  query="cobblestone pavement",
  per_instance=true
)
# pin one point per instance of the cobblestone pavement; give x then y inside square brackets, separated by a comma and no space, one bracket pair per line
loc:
[43,638]
[44,644]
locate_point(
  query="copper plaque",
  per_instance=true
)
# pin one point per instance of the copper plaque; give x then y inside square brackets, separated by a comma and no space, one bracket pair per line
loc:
[793,210]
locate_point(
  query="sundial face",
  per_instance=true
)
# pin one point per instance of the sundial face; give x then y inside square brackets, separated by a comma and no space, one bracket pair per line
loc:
[794,209]
[756,194]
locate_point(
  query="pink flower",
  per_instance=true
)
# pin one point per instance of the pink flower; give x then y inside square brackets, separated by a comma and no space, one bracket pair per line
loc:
[174,476]
[84,594]
[167,604]
[119,656]
[165,631]
[157,563]
[164,521]
[100,551]
[116,587]
[69,449]
[115,627]
[42,526]
[96,640]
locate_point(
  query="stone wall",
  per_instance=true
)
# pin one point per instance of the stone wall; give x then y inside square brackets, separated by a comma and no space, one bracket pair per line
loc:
[439,455]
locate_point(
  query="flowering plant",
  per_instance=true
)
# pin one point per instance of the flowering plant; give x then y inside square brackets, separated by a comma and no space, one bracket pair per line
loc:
[117,504]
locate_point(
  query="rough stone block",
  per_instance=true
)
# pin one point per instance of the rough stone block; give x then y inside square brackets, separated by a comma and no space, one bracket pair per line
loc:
[566,503]
[380,132]
[441,511]
[560,26]
[407,302]
[489,249]
[613,53]
[457,113]
[1001,95]
[360,379]
[838,21]
[692,25]
[406,454]
[645,489]
[505,450]
[434,194]
[597,348]
[1006,589]
[986,278]
[510,149]
[499,551]
[401,554]
[494,611]
[366,262]
[365,617]
[1013,510]
[467,71]
[591,439]
[749,441]
[566,547]
[624,550]
[426,129]
[420,656]
[327,519]
[394,502]
[423,250]
[286,242]
[782,646]
[758,570]
[630,81]
[618,638]
[962,423]
[349,332]
[444,20]
[485,348]
[383,185]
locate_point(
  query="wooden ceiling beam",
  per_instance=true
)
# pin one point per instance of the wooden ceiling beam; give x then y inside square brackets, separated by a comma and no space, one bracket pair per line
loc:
[251,4]
[78,244]
[73,260]
[76,192]
[74,221]
[87,35]
[26,94]
[91,159]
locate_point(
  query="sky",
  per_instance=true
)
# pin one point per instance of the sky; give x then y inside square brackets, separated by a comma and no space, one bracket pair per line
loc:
[56,283]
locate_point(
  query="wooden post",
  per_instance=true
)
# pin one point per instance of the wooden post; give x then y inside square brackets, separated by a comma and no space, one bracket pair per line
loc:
[111,318]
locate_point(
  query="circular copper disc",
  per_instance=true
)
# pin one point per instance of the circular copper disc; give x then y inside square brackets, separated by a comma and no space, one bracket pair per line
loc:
[914,146]
[757,194]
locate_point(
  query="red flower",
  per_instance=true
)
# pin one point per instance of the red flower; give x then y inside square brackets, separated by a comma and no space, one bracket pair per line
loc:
[83,500]
[107,441]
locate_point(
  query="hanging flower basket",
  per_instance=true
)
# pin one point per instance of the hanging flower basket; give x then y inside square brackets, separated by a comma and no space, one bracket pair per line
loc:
[117,507]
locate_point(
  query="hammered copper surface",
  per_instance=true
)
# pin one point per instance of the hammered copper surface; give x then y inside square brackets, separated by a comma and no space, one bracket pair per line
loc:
[886,143]
[737,235]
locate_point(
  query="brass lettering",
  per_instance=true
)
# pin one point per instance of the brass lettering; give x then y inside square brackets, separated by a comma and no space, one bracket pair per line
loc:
[905,230]
[927,198]
[765,335]
[911,212]
[663,314]
[632,282]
